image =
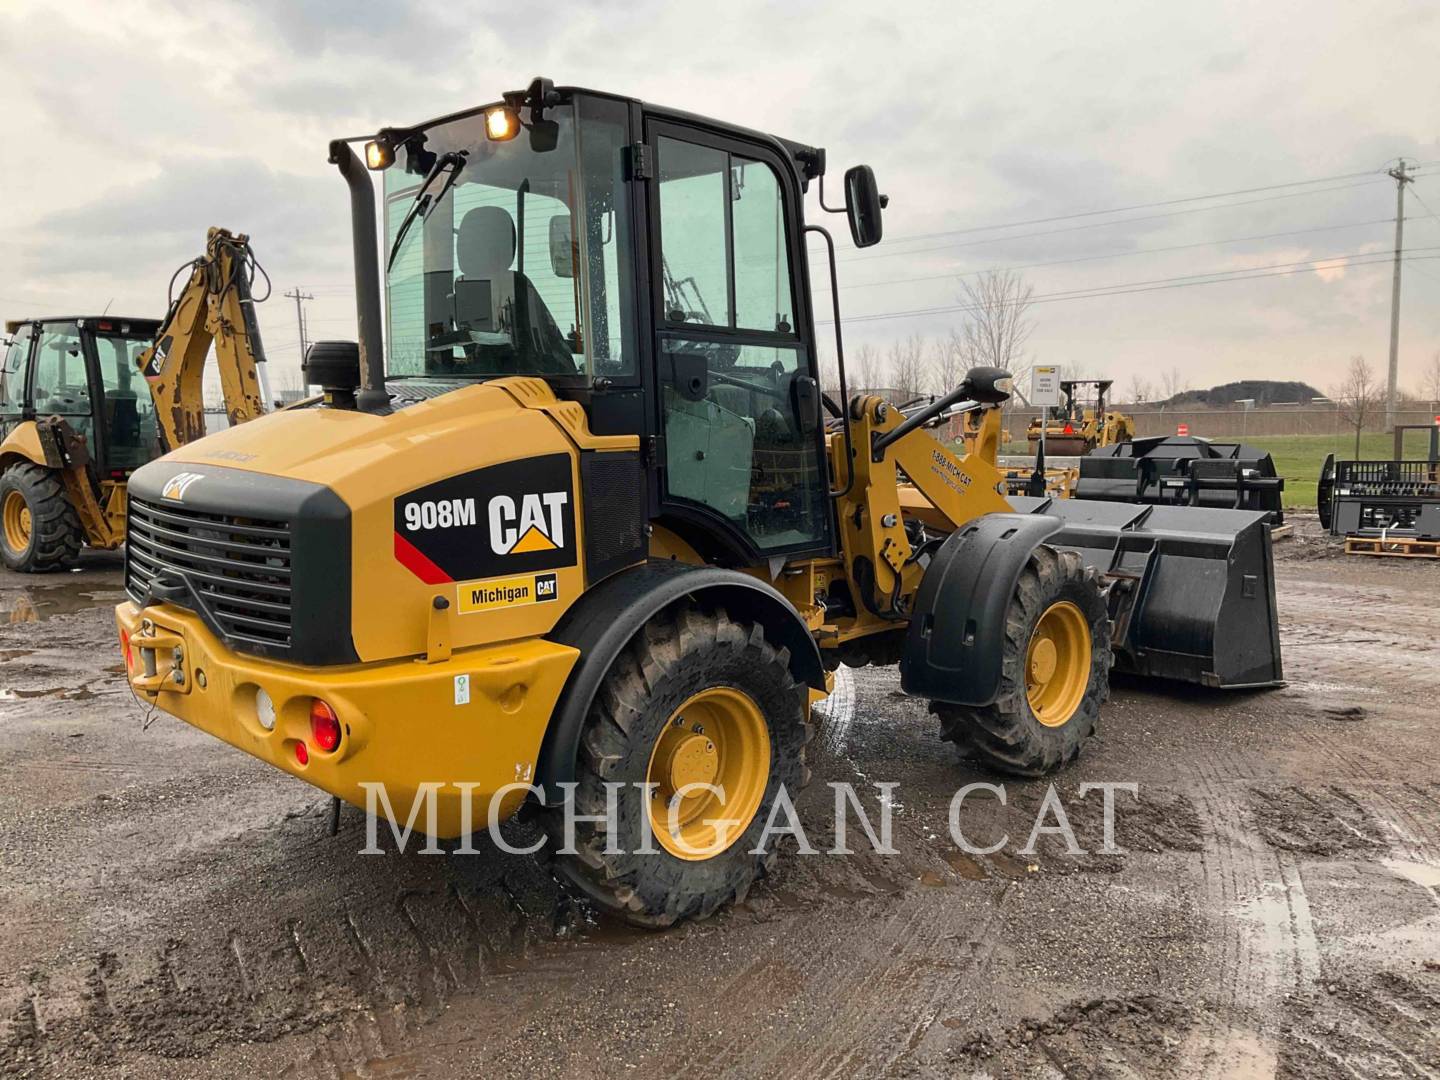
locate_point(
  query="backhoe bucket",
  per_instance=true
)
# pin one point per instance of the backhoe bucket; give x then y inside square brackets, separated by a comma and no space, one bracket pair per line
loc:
[1192,592]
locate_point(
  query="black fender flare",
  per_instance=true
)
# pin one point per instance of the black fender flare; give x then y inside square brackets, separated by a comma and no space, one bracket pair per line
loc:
[603,621]
[956,642]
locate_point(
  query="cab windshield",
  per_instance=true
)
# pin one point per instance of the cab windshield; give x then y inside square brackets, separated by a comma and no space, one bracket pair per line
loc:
[520,265]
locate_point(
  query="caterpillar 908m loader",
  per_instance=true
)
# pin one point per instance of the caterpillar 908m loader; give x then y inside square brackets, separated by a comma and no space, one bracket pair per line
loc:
[578,522]
[86,401]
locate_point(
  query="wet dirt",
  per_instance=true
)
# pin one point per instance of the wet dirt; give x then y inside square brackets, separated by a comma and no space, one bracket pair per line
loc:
[1269,906]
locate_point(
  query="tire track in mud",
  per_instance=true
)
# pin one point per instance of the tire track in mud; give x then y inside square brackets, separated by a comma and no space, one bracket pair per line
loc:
[363,981]
[1265,942]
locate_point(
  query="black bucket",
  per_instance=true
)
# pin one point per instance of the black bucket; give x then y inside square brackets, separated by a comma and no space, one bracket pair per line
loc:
[1192,592]
[1182,470]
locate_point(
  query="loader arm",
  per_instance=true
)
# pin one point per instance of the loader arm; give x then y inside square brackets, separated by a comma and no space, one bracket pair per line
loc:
[880,556]
[216,306]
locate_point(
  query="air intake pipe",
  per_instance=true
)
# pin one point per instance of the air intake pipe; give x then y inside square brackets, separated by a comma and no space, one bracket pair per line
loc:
[372,396]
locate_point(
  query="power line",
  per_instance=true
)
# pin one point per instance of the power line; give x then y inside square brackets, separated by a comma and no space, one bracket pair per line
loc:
[1423,203]
[1157,284]
[1402,177]
[1111,255]
[1106,224]
[1145,206]
[299,298]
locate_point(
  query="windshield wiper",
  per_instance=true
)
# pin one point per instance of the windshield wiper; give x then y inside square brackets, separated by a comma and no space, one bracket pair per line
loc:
[424,202]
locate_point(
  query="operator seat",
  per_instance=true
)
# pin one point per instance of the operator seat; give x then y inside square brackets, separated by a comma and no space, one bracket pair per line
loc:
[490,298]
[484,250]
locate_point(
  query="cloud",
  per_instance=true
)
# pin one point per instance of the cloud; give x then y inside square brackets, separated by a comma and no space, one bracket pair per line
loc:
[135,124]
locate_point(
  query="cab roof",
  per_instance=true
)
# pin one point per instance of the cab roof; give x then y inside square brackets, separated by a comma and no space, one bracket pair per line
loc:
[92,322]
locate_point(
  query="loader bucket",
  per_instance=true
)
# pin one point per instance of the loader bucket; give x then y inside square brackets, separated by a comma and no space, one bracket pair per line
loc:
[1192,594]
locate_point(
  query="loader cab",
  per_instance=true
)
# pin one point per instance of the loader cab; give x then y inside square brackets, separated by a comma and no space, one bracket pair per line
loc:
[84,370]
[644,262]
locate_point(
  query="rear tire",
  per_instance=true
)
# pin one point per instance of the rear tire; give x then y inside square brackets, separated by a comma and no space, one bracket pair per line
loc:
[726,674]
[1057,633]
[41,530]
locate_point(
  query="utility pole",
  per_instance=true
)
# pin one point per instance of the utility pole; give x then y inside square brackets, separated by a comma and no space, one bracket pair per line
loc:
[299,298]
[1402,177]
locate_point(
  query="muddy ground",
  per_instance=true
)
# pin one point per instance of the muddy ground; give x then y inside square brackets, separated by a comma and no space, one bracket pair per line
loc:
[169,907]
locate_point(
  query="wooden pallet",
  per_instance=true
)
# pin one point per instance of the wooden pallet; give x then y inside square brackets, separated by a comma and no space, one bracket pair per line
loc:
[1280,532]
[1398,547]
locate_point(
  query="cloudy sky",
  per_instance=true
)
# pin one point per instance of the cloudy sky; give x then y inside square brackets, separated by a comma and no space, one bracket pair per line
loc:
[134,124]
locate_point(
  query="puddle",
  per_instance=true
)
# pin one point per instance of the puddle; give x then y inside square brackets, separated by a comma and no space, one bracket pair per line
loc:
[1246,1056]
[1423,874]
[68,693]
[36,603]
[965,866]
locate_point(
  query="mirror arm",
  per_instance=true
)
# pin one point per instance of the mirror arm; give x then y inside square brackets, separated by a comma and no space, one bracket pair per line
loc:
[828,209]
[839,359]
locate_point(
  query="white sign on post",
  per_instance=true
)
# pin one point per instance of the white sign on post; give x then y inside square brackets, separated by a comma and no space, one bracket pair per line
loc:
[1045,386]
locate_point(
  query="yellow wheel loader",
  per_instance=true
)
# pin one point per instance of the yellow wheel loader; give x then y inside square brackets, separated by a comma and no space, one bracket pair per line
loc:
[86,401]
[572,533]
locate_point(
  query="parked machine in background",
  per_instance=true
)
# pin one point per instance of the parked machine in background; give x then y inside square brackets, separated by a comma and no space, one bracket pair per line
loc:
[1082,422]
[86,401]
[1385,507]
[578,539]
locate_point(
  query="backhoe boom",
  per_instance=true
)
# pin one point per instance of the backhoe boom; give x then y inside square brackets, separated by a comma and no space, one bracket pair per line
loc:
[215,306]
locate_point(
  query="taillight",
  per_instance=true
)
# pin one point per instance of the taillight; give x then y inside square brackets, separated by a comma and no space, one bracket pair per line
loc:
[324,726]
[302,753]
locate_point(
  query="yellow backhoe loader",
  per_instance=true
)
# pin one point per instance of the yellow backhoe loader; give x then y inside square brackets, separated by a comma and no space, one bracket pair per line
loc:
[576,537]
[86,401]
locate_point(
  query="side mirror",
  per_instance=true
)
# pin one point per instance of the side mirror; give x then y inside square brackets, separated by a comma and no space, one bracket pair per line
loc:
[687,372]
[805,404]
[987,385]
[562,247]
[863,203]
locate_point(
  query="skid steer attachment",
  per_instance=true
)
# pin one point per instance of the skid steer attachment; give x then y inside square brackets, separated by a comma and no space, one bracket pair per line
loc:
[1192,590]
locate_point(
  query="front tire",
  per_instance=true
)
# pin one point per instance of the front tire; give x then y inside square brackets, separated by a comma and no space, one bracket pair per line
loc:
[1055,674]
[695,698]
[41,530]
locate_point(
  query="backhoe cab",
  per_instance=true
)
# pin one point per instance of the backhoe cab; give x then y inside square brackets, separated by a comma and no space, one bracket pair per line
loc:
[578,522]
[76,420]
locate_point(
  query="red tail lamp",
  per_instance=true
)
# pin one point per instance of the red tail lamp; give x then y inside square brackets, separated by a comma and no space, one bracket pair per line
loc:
[324,726]
[302,753]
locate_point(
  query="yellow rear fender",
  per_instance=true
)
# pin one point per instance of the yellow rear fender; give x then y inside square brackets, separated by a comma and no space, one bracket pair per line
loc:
[22,444]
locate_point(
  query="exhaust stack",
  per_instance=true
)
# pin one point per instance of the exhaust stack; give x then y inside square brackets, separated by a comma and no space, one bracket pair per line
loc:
[372,396]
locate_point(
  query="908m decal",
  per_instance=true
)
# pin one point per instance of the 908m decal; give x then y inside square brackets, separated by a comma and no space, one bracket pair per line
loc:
[513,518]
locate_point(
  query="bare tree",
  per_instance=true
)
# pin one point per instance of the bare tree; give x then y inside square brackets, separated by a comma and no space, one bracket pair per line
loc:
[907,367]
[952,361]
[1173,383]
[1430,386]
[869,367]
[829,371]
[997,323]
[1358,397]
[1139,389]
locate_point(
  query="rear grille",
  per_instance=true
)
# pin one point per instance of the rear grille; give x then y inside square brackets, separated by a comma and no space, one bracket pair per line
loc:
[237,568]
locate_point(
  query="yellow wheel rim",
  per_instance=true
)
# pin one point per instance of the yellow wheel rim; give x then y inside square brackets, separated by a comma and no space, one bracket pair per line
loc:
[1057,664]
[16,515]
[718,737]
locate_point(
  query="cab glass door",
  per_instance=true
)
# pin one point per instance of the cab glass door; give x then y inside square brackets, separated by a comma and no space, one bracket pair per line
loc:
[736,377]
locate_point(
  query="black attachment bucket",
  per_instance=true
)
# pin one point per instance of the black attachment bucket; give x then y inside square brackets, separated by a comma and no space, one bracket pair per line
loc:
[1182,470]
[1192,590]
